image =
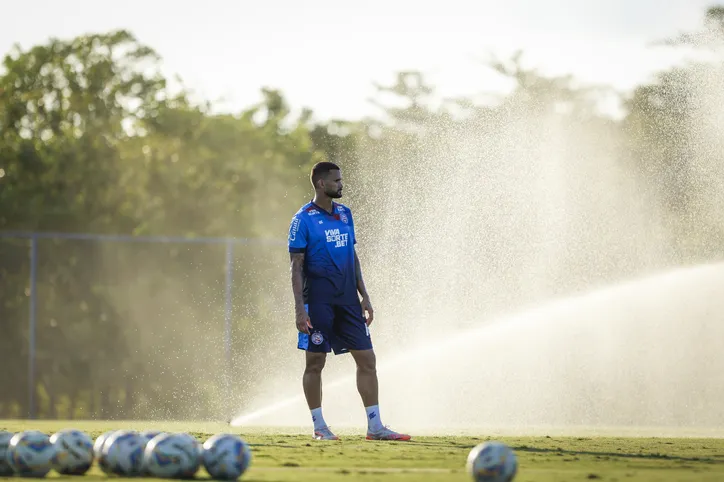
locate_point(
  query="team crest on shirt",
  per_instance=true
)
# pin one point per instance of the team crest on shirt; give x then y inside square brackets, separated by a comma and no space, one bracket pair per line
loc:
[342,216]
[317,338]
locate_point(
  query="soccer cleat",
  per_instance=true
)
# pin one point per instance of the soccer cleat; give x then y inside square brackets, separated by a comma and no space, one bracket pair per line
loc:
[387,434]
[324,433]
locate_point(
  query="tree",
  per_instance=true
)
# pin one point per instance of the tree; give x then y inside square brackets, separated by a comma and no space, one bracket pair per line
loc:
[710,36]
[675,139]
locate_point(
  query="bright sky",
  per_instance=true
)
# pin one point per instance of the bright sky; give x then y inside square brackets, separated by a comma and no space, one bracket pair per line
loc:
[325,54]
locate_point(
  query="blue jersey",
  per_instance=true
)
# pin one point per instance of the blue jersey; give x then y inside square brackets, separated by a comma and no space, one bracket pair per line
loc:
[327,240]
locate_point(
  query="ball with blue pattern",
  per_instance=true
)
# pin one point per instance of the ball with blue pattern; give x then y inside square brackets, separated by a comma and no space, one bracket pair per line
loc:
[226,456]
[73,452]
[492,462]
[123,453]
[172,455]
[30,454]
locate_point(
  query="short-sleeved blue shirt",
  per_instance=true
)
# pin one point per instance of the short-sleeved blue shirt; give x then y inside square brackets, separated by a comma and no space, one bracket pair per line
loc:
[327,240]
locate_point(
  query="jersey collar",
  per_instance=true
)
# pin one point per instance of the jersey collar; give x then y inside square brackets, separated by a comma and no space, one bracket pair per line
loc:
[334,208]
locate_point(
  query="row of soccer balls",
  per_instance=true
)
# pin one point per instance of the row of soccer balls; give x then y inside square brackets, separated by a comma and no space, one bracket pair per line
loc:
[176,455]
[123,452]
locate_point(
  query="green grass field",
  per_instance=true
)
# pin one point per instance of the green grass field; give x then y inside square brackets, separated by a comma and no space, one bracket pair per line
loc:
[282,457]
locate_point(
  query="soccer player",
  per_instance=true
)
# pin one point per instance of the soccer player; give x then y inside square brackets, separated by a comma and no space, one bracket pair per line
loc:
[327,284]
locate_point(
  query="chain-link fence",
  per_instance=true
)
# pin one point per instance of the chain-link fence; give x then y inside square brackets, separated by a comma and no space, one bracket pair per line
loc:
[135,327]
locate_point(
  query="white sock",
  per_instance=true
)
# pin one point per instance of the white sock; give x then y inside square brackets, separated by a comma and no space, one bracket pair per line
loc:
[318,419]
[374,424]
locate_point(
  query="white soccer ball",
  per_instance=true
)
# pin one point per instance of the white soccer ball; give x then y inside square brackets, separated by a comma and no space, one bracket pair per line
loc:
[98,451]
[123,452]
[5,468]
[172,455]
[30,454]
[226,456]
[492,462]
[73,452]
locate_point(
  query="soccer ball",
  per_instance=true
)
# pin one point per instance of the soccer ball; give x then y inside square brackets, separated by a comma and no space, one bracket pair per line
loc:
[73,452]
[123,452]
[226,456]
[492,462]
[172,455]
[98,451]
[30,454]
[5,468]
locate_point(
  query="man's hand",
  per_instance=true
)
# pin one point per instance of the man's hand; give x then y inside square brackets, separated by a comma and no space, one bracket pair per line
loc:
[303,322]
[367,312]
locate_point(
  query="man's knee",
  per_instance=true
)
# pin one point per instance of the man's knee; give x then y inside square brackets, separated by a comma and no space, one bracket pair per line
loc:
[315,362]
[366,360]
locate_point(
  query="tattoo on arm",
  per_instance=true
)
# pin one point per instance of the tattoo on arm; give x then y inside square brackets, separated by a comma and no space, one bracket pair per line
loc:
[358,273]
[297,269]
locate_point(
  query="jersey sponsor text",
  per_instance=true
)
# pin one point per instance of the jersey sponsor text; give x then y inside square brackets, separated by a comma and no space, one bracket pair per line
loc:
[334,236]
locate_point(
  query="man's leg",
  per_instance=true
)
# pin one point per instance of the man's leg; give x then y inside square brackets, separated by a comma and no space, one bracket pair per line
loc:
[312,379]
[366,376]
[312,384]
[353,335]
[316,346]
[367,386]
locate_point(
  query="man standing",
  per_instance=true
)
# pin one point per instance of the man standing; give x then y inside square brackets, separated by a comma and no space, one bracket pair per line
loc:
[327,284]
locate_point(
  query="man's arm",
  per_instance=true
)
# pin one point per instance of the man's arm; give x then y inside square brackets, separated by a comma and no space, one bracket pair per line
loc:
[366,304]
[302,318]
[360,281]
[297,267]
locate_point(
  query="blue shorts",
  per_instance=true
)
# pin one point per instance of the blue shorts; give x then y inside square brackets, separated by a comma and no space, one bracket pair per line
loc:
[335,327]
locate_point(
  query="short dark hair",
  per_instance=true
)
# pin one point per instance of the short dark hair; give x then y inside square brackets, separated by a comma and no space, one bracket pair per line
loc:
[320,170]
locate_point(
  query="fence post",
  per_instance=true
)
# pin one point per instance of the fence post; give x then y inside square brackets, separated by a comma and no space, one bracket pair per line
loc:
[32,324]
[227,317]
